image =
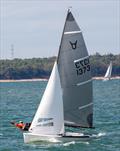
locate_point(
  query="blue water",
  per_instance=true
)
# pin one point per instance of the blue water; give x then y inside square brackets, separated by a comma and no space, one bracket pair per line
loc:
[19,101]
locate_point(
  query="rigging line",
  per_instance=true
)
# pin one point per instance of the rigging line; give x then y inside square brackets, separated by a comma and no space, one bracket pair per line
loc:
[62,35]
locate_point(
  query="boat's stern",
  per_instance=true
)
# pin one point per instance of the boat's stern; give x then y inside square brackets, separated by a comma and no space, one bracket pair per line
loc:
[31,137]
[27,137]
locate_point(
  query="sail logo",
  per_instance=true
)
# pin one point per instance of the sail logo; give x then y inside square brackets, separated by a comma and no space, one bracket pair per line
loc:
[82,66]
[73,45]
[45,122]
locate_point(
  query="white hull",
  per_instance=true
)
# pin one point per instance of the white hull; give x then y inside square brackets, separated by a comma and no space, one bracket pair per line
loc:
[30,137]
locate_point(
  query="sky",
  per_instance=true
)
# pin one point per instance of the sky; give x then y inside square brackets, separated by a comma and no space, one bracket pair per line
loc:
[33,28]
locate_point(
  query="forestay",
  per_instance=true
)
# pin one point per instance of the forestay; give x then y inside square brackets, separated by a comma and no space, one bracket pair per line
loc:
[49,116]
[75,76]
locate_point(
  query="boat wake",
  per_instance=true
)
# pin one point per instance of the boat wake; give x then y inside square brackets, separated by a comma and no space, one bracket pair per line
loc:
[1,134]
[95,136]
[53,140]
[75,142]
[56,143]
[99,135]
[69,143]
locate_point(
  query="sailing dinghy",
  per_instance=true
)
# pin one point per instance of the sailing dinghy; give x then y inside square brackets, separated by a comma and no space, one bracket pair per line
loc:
[68,99]
[108,72]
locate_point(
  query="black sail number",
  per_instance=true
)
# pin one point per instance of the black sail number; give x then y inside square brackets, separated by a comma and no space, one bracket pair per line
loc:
[82,66]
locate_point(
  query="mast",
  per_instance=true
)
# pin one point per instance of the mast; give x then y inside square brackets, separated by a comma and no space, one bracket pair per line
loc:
[63,32]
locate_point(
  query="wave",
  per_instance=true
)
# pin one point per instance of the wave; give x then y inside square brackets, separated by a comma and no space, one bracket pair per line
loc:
[1,134]
[69,143]
[75,142]
[99,135]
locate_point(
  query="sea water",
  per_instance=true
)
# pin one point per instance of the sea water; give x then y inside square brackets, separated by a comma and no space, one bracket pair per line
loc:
[19,101]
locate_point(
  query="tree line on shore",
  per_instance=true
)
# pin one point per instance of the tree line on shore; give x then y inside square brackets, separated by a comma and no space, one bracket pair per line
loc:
[41,67]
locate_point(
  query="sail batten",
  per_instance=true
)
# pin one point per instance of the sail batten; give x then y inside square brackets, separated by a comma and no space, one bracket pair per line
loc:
[72,32]
[78,84]
[87,105]
[81,59]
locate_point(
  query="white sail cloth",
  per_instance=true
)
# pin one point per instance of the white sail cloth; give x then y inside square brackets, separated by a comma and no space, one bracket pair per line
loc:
[49,116]
[109,71]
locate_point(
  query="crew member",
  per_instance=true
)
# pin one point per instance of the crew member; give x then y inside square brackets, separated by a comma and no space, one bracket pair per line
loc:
[19,125]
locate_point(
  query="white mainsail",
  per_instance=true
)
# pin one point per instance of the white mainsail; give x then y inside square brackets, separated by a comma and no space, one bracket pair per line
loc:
[75,76]
[49,116]
[109,71]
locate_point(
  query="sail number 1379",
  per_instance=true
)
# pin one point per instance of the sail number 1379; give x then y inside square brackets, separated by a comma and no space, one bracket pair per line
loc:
[82,66]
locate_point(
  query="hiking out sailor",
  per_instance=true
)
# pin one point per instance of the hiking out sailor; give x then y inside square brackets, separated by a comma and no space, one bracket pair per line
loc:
[21,125]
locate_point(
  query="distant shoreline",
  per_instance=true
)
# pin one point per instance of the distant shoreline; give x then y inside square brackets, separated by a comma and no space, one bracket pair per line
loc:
[101,78]
[29,80]
[23,80]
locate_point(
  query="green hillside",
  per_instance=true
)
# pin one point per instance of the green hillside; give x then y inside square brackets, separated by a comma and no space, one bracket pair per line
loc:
[41,67]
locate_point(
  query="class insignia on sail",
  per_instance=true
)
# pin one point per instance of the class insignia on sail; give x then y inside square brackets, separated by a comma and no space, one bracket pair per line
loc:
[73,45]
